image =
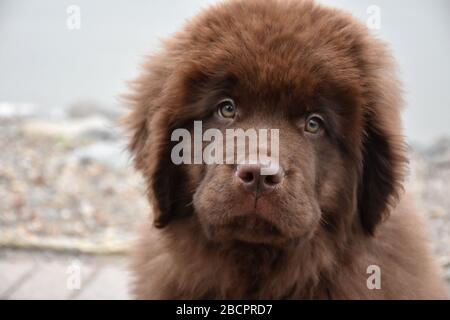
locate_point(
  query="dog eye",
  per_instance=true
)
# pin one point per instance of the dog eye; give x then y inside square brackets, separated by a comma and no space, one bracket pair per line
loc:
[314,124]
[226,108]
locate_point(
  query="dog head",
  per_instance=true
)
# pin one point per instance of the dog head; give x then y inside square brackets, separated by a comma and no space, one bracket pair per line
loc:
[313,76]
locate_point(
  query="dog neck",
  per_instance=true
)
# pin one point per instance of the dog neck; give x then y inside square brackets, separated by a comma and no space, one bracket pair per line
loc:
[297,269]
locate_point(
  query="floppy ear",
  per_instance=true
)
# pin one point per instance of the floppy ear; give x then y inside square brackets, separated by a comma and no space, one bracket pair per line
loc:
[381,180]
[384,164]
[384,160]
[167,183]
[149,126]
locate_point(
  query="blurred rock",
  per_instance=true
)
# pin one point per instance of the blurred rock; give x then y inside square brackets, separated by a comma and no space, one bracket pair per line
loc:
[86,109]
[10,110]
[110,155]
[89,128]
[17,111]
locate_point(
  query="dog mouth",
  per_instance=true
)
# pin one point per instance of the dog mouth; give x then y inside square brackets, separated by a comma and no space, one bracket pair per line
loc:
[249,228]
[254,224]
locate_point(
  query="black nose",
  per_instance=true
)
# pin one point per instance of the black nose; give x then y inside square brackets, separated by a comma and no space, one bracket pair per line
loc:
[254,181]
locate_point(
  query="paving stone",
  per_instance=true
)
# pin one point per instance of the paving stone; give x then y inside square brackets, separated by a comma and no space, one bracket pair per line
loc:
[109,283]
[54,280]
[11,274]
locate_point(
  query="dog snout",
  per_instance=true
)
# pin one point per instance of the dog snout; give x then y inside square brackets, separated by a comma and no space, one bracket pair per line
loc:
[255,180]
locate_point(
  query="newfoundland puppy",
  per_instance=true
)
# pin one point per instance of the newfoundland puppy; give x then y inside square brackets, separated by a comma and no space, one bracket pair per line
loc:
[328,218]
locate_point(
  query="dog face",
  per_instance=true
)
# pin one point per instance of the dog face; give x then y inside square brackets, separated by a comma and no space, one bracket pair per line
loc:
[310,73]
[237,201]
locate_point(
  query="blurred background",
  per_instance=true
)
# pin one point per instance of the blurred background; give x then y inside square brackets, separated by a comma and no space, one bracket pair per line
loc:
[70,201]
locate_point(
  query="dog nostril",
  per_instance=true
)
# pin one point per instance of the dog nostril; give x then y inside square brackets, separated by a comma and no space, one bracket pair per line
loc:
[246,176]
[273,180]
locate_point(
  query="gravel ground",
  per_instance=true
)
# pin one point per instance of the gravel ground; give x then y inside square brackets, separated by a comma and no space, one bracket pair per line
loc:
[68,185]
[66,192]
[428,183]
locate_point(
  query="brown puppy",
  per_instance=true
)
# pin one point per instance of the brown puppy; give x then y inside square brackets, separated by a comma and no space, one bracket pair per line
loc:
[334,207]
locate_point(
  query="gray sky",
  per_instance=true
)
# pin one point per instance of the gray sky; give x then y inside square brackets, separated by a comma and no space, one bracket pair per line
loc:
[43,62]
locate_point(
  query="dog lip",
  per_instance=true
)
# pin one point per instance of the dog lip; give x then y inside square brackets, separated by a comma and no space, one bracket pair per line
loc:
[253,223]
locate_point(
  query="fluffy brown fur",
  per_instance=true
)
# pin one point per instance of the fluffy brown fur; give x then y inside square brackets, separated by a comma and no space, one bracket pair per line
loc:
[340,207]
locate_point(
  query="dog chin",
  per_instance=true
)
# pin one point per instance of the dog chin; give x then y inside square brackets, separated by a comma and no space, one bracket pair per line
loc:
[249,229]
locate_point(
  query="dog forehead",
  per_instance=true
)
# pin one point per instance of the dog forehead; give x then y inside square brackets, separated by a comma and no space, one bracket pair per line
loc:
[276,47]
